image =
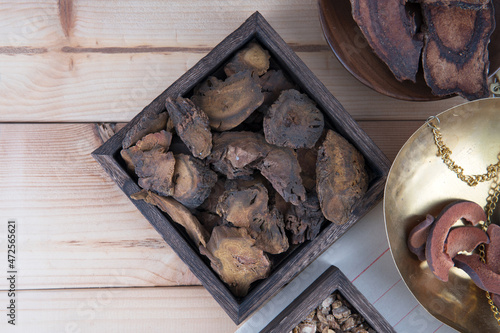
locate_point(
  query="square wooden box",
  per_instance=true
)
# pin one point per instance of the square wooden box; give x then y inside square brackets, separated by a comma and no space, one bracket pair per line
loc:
[330,281]
[254,28]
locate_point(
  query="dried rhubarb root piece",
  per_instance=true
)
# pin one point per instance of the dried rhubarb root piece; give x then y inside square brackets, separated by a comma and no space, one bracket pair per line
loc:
[304,221]
[152,121]
[455,55]
[253,57]
[392,34]
[273,83]
[193,180]
[341,179]
[293,121]
[178,213]
[228,103]
[155,168]
[418,237]
[235,258]
[159,140]
[242,206]
[281,168]
[235,154]
[191,124]
[437,258]
[271,237]
[464,239]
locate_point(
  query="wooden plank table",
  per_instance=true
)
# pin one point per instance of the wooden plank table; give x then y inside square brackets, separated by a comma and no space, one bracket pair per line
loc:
[71,73]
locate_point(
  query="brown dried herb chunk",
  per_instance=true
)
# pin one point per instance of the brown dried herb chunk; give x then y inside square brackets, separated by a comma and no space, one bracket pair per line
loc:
[392,34]
[293,121]
[152,121]
[241,206]
[228,103]
[235,153]
[155,169]
[159,140]
[282,170]
[235,258]
[455,55]
[191,124]
[271,237]
[193,180]
[253,57]
[341,177]
[178,213]
[273,83]
[304,221]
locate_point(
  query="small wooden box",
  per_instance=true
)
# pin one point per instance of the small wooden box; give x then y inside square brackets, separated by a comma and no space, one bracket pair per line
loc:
[330,281]
[254,28]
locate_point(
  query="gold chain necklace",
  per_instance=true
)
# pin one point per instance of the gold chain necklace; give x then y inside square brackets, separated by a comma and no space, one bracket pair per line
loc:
[492,172]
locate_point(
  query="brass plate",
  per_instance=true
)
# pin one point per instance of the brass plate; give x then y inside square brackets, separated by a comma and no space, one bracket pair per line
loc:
[420,183]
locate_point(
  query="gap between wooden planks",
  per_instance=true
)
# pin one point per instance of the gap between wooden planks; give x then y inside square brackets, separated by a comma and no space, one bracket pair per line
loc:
[72,61]
[76,229]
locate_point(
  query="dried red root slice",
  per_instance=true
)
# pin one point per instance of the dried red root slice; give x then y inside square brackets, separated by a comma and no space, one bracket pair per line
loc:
[479,272]
[392,34]
[178,213]
[234,257]
[493,248]
[464,239]
[293,121]
[455,55]
[341,178]
[193,180]
[151,122]
[191,124]
[437,258]
[253,57]
[228,103]
[418,237]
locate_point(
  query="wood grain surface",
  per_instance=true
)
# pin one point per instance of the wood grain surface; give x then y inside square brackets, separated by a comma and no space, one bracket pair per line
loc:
[66,67]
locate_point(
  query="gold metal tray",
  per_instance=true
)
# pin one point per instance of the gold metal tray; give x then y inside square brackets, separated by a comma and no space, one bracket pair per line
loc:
[420,183]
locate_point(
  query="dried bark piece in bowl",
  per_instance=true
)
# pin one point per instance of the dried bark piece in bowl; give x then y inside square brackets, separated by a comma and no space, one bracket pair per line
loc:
[228,103]
[341,178]
[392,34]
[293,121]
[455,55]
[191,124]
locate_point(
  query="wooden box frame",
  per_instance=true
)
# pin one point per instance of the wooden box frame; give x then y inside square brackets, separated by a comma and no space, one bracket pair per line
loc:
[330,281]
[255,27]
